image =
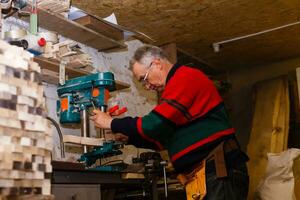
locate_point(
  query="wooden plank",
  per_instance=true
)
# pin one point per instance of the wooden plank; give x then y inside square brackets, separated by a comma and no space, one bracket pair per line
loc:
[83,140]
[269,128]
[75,31]
[53,65]
[279,137]
[100,27]
[121,85]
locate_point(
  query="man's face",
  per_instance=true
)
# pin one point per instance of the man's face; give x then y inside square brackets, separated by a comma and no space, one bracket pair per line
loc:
[150,76]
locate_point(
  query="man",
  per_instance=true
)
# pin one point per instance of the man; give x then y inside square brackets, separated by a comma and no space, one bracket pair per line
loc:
[190,122]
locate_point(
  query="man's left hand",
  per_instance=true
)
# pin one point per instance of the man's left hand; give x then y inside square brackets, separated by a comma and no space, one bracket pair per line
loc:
[101,119]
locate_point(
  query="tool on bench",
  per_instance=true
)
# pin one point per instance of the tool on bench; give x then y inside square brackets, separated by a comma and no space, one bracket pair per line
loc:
[76,97]
[154,165]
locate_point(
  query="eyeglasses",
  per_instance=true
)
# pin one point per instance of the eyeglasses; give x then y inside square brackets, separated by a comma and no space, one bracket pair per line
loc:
[144,80]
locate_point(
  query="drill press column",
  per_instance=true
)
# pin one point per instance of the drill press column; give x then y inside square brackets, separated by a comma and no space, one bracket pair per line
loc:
[85,126]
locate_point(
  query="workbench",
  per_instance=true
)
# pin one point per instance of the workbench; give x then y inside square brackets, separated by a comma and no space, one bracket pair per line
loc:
[70,181]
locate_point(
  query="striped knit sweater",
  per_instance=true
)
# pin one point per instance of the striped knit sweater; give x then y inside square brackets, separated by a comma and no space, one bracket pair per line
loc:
[189,121]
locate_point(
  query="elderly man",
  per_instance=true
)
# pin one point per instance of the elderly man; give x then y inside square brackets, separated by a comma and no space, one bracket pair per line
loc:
[190,122]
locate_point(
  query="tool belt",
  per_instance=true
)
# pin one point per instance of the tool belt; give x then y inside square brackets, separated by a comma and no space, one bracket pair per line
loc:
[195,181]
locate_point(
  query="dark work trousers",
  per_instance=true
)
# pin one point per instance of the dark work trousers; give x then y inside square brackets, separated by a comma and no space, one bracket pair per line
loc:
[233,187]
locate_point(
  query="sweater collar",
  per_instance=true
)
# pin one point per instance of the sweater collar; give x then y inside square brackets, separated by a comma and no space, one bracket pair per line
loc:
[172,71]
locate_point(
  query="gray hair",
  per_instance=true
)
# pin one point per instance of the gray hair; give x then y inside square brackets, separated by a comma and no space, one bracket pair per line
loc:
[146,54]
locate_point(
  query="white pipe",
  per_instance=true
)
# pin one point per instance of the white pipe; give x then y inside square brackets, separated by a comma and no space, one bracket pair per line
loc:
[216,45]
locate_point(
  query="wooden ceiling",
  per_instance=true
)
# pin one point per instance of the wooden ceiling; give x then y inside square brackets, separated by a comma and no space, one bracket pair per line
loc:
[194,25]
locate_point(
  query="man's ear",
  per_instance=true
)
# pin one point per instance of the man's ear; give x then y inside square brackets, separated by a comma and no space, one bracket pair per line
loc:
[159,63]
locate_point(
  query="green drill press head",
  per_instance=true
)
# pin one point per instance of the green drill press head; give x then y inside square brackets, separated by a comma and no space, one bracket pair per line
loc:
[81,93]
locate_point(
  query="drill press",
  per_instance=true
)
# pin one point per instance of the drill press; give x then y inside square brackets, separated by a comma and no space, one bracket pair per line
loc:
[76,97]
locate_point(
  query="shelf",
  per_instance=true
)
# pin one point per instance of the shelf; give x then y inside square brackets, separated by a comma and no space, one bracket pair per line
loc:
[53,66]
[101,27]
[77,32]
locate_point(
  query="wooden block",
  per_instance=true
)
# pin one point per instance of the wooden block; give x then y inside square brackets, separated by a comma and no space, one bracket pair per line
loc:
[2,69]
[6,95]
[6,165]
[37,159]
[133,176]
[46,189]
[83,140]
[14,81]
[48,168]
[40,125]
[10,123]
[24,116]
[5,139]
[33,66]
[72,139]
[9,191]
[12,174]
[14,62]
[25,141]
[13,156]
[8,88]
[10,131]
[7,113]
[30,92]
[5,183]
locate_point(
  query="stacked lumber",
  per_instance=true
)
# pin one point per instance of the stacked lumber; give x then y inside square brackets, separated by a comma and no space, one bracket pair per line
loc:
[25,136]
[71,53]
[270,127]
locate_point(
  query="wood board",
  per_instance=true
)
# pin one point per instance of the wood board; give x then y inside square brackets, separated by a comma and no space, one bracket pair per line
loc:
[100,27]
[270,127]
[73,139]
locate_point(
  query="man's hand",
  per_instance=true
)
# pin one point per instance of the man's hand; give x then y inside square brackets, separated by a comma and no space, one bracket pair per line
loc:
[101,119]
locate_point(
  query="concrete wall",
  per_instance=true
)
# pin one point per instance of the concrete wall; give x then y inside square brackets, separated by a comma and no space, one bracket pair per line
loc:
[240,99]
[138,101]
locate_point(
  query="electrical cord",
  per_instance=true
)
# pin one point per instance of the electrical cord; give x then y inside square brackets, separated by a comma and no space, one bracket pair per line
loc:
[62,146]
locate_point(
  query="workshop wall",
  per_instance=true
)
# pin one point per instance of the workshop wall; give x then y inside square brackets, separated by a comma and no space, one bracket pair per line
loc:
[138,101]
